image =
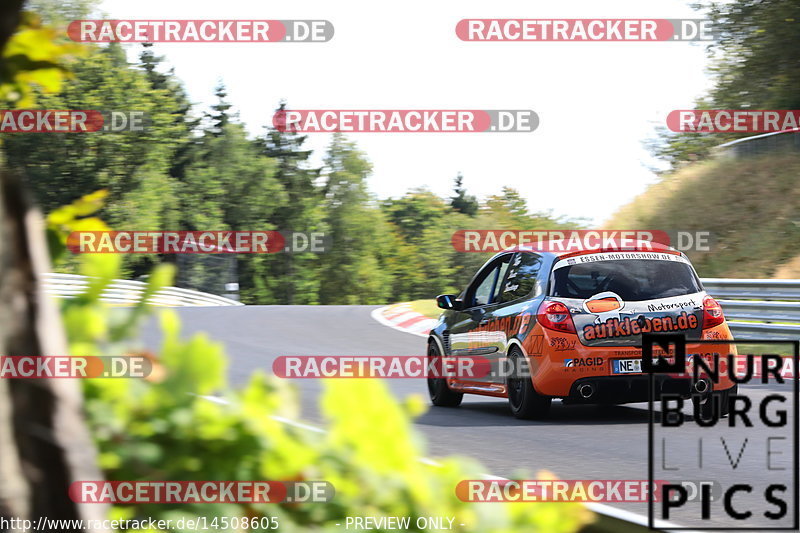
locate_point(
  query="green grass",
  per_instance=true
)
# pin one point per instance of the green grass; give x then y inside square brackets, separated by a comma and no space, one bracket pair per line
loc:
[782,349]
[749,204]
[426,307]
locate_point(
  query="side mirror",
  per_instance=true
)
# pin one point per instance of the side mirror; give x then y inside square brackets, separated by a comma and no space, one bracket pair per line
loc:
[448,301]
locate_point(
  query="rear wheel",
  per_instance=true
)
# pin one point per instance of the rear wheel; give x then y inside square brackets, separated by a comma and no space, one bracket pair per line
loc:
[524,401]
[440,393]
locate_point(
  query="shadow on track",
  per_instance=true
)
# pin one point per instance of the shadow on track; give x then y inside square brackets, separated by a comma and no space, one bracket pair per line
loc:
[496,414]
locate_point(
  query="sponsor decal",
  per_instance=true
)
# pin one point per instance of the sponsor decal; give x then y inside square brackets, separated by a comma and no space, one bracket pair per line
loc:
[615,327]
[666,306]
[604,305]
[562,344]
[583,362]
[617,256]
[511,325]
[533,344]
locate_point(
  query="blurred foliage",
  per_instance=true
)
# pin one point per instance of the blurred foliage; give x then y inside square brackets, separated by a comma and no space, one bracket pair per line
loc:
[91,328]
[36,58]
[754,64]
[59,13]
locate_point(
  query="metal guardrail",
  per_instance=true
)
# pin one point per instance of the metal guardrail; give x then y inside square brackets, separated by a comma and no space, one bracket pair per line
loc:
[787,140]
[765,308]
[126,292]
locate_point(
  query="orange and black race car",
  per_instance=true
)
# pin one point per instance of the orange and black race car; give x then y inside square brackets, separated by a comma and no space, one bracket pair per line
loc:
[573,321]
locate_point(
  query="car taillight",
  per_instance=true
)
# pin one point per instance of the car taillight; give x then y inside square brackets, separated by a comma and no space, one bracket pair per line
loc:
[712,313]
[555,315]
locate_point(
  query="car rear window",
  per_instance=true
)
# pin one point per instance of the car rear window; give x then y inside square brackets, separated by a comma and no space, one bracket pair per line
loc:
[631,279]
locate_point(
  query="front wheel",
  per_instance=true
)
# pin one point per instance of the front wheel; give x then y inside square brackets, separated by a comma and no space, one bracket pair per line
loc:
[524,401]
[440,393]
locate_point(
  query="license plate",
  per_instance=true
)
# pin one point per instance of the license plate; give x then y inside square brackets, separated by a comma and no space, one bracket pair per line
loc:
[627,366]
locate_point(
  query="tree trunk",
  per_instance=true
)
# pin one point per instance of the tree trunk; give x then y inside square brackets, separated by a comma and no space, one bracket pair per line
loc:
[48,446]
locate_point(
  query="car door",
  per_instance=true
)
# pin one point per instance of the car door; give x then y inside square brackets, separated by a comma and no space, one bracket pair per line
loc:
[471,333]
[521,283]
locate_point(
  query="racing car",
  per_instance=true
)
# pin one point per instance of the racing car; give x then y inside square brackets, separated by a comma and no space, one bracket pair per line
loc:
[573,321]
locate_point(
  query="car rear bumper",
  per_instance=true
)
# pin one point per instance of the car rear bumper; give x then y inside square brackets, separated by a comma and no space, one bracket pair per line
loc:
[625,389]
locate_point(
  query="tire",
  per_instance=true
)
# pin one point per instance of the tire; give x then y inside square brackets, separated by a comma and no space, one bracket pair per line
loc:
[440,393]
[705,407]
[524,401]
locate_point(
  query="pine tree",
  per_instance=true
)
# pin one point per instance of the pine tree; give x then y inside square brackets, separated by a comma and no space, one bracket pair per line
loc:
[293,277]
[220,118]
[462,202]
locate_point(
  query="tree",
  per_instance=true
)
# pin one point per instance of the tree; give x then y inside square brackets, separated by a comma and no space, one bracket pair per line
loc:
[462,202]
[293,278]
[418,209]
[420,257]
[221,117]
[755,66]
[44,442]
[509,210]
[229,185]
[135,166]
[180,108]
[351,272]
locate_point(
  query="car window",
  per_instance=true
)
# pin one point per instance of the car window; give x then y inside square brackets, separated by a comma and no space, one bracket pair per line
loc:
[631,279]
[501,276]
[522,277]
[484,290]
[485,286]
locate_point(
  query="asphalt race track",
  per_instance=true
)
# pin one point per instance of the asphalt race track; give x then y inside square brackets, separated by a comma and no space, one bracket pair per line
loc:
[576,442]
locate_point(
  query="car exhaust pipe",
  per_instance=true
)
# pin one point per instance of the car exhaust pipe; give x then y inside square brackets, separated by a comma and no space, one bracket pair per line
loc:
[701,386]
[586,391]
